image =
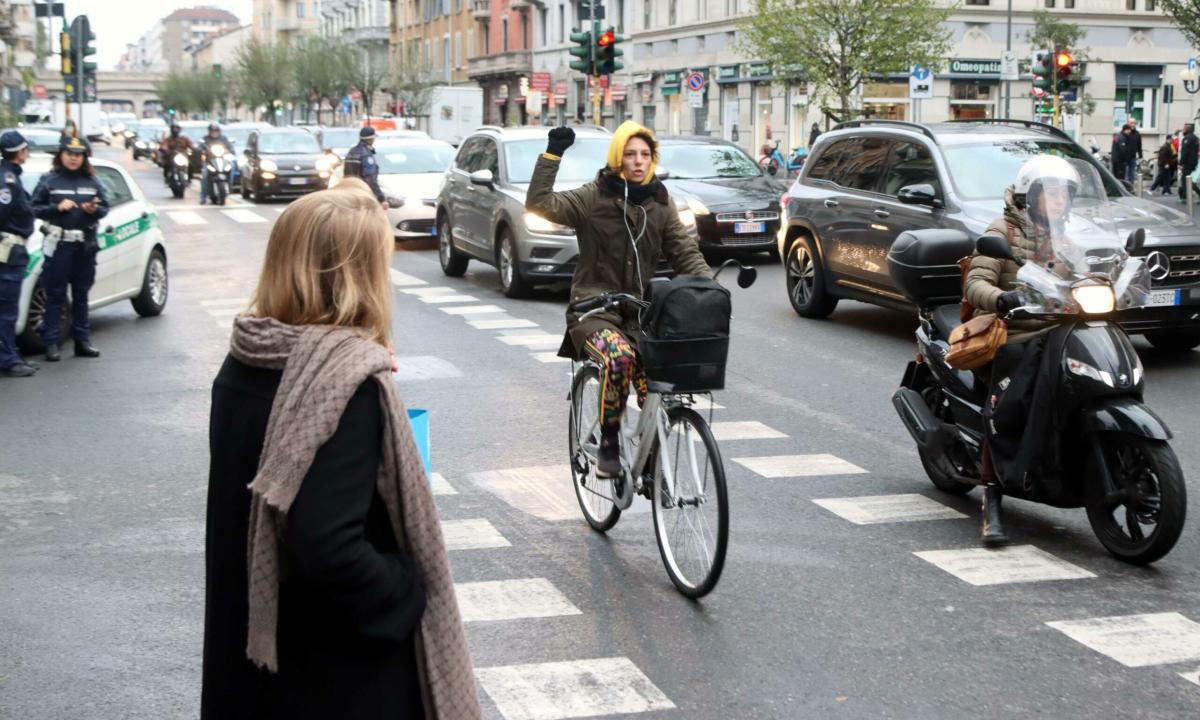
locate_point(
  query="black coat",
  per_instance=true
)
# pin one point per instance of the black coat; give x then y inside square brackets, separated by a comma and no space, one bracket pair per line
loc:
[350,600]
[1189,146]
[1122,152]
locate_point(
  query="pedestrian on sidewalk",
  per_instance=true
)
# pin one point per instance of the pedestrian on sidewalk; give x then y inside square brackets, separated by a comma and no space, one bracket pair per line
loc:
[1122,153]
[328,589]
[813,133]
[1189,155]
[1135,150]
[1166,168]
[16,225]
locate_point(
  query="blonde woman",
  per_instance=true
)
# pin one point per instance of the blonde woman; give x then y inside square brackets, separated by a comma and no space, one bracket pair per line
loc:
[328,589]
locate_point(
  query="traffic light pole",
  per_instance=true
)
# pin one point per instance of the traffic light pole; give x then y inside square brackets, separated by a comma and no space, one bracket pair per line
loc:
[596,118]
[78,42]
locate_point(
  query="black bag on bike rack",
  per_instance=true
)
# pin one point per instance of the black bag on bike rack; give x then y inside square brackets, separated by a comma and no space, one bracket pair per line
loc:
[685,334]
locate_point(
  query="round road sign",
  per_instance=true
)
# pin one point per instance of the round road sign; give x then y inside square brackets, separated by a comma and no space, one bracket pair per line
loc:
[695,82]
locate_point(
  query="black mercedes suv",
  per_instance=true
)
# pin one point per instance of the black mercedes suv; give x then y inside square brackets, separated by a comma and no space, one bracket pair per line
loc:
[867,181]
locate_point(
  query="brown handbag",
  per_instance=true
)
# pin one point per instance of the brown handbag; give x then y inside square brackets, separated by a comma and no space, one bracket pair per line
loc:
[974,343]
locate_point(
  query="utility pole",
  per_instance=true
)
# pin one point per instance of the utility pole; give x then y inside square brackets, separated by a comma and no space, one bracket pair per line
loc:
[1008,83]
[596,118]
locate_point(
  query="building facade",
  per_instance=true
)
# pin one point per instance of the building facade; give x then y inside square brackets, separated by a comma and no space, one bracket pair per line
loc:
[284,20]
[18,51]
[168,45]
[435,37]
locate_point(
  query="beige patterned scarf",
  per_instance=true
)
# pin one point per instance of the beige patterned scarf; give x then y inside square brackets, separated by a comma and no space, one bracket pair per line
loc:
[322,367]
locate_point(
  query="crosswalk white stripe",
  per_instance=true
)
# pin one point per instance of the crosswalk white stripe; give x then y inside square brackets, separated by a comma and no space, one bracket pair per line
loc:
[786,466]
[545,340]
[1137,640]
[571,689]
[472,534]
[744,430]
[512,600]
[447,298]
[501,324]
[440,486]
[186,217]
[434,290]
[1192,677]
[549,357]
[472,310]
[875,509]
[400,279]
[244,216]
[998,566]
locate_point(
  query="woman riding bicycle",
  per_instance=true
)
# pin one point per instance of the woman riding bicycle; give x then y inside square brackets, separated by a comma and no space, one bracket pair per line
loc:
[625,224]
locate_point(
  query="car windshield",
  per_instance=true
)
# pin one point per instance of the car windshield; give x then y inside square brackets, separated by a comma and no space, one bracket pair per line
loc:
[339,138]
[288,142]
[151,128]
[39,140]
[195,133]
[411,158]
[983,171]
[695,162]
[238,135]
[579,164]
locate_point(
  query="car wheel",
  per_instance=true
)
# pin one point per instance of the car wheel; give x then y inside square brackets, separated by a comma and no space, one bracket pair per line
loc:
[806,281]
[507,262]
[29,341]
[153,297]
[454,263]
[1175,340]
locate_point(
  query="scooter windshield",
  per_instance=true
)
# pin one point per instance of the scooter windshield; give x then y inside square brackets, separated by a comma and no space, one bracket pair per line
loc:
[1079,265]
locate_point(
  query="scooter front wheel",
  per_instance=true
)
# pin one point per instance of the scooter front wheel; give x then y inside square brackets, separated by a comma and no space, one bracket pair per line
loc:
[1137,502]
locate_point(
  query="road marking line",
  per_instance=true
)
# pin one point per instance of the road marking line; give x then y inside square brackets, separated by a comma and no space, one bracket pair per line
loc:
[1012,564]
[533,340]
[1192,677]
[243,216]
[1137,640]
[448,298]
[279,210]
[225,324]
[512,600]
[186,217]
[473,534]
[472,310]
[747,430]
[424,367]
[435,290]
[440,486]
[400,279]
[549,357]
[701,403]
[501,324]
[572,689]
[785,466]
[875,509]
[545,492]
[225,301]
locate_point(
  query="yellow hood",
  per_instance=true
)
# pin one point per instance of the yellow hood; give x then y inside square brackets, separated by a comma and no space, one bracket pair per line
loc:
[616,149]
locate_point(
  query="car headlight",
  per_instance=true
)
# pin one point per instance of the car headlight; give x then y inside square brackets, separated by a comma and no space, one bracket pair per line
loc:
[1084,370]
[268,165]
[324,164]
[1094,299]
[538,224]
[697,207]
[688,218]
[140,145]
[181,159]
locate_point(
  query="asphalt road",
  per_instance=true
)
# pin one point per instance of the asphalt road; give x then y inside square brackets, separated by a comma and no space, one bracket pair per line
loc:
[102,500]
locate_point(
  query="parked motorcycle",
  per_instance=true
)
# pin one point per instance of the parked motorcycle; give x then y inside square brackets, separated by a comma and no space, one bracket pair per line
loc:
[1109,453]
[219,166]
[179,174]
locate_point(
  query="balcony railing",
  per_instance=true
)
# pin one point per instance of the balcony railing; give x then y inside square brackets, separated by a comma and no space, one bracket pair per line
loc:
[514,62]
[481,9]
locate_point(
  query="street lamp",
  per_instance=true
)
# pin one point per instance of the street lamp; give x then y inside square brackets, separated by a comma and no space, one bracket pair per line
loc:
[1190,77]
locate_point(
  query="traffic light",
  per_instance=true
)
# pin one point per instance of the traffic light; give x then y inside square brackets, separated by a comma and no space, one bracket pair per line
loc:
[216,70]
[609,50]
[1064,68]
[1041,74]
[68,56]
[585,51]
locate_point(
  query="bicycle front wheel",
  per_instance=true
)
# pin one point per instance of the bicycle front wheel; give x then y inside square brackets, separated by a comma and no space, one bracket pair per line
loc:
[691,506]
[596,496]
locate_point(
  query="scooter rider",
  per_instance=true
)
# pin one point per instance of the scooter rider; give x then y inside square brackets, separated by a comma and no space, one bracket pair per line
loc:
[1036,208]
[360,162]
[174,142]
[16,225]
[71,201]
[211,140]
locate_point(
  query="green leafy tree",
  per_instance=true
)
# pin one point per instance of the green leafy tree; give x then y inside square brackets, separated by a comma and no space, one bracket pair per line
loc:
[411,82]
[366,71]
[1187,17]
[175,93]
[264,74]
[321,71]
[837,45]
[191,92]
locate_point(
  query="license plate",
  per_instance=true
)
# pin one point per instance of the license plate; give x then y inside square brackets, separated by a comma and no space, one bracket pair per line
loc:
[1165,298]
[749,227]
[297,181]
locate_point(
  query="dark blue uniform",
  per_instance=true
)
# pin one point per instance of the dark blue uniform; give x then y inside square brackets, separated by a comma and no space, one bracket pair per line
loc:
[16,217]
[72,263]
[360,162]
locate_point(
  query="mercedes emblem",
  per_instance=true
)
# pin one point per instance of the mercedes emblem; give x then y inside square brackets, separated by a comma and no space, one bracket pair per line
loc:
[295,167]
[1159,265]
[749,214]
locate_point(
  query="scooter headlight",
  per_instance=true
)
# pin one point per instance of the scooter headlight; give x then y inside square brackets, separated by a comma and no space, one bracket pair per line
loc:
[1084,370]
[140,144]
[217,151]
[181,159]
[1094,299]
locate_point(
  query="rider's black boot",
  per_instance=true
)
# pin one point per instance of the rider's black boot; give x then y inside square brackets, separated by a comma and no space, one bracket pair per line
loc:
[993,528]
[608,459]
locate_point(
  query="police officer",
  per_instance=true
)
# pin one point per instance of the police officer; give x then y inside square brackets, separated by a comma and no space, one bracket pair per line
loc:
[212,139]
[16,225]
[360,162]
[72,202]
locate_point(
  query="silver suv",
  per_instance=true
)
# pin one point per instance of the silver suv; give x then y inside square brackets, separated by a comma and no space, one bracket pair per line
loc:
[481,211]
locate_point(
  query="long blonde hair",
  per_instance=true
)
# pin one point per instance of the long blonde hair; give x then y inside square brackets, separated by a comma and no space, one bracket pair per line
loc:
[327,263]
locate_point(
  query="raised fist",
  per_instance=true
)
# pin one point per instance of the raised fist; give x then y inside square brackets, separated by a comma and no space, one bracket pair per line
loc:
[561,138]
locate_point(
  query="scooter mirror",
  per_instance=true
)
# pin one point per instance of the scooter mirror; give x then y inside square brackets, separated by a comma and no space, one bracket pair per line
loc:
[1136,241]
[747,276]
[994,246]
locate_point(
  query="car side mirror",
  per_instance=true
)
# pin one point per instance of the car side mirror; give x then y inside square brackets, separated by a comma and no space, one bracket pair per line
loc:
[995,247]
[1136,241]
[919,194]
[483,177]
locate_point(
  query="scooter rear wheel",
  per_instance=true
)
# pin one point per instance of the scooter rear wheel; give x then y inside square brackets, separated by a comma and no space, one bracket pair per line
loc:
[1140,516]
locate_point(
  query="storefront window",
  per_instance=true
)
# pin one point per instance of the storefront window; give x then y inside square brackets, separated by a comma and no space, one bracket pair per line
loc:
[885,101]
[972,99]
[1143,108]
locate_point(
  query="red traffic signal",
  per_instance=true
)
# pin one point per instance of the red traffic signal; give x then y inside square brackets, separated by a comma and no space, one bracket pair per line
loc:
[1063,59]
[606,38]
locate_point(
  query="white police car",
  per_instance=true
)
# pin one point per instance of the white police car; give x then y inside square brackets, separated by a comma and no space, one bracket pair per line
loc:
[131,263]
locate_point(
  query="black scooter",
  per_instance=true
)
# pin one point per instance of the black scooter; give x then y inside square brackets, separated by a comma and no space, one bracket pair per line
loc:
[1113,453]
[179,173]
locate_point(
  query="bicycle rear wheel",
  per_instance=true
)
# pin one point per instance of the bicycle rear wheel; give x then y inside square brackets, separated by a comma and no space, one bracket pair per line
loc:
[595,495]
[691,506]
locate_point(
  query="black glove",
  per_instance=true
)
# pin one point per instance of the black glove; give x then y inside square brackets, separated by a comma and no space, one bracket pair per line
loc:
[1008,302]
[561,138]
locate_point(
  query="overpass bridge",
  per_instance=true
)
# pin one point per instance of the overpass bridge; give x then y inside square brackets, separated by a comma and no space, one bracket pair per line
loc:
[131,91]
